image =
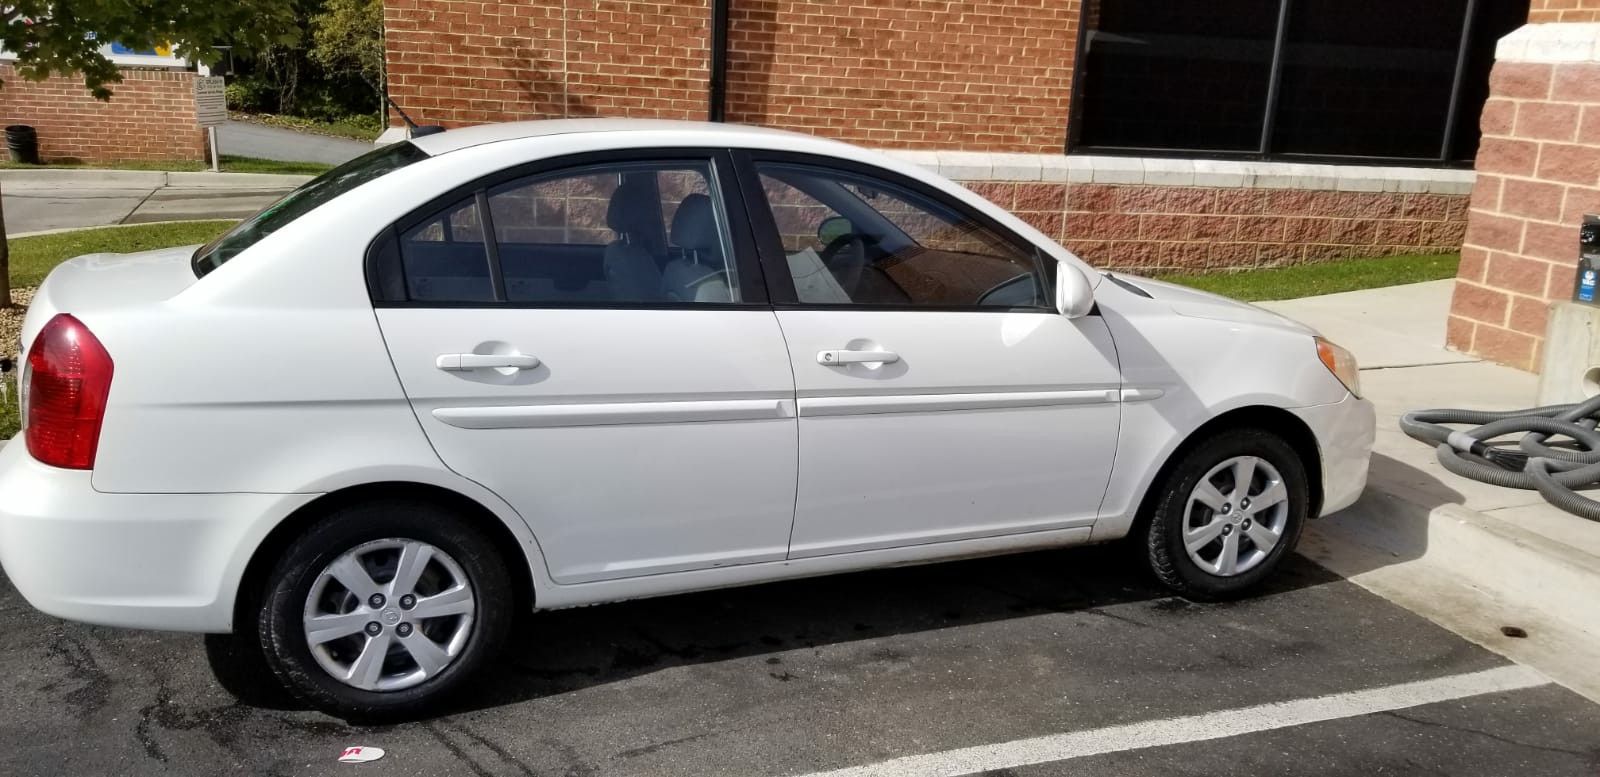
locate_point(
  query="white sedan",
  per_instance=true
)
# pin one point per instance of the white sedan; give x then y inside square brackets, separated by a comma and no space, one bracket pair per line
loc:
[539,365]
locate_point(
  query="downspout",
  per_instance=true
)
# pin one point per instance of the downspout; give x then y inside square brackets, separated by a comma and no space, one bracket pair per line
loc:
[718,85]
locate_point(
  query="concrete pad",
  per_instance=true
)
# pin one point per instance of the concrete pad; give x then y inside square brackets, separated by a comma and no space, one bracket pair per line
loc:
[1399,326]
[199,204]
[56,178]
[1554,525]
[236,181]
[34,210]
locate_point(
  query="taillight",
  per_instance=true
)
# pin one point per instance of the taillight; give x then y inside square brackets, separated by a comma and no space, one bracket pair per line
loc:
[69,377]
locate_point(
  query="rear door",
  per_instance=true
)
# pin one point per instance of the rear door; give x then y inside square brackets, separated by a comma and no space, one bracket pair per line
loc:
[590,339]
[941,395]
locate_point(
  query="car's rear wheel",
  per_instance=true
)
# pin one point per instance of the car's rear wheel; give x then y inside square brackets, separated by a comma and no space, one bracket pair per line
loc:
[1227,513]
[384,609]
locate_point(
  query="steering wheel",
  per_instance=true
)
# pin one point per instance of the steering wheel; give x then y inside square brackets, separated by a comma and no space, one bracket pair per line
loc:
[847,266]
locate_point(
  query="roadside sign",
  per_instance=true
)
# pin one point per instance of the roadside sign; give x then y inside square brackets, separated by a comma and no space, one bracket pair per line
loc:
[210,101]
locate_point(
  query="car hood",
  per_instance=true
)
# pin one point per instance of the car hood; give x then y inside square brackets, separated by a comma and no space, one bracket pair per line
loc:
[1203,304]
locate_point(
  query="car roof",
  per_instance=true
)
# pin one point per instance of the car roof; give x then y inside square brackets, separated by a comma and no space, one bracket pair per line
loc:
[716,133]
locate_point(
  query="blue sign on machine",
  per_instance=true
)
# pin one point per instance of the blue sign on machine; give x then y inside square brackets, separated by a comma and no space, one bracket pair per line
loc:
[1588,260]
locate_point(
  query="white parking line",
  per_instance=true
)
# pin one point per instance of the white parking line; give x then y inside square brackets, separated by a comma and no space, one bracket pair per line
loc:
[1197,728]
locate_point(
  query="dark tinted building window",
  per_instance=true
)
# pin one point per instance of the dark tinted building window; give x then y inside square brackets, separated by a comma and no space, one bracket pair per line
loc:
[1365,79]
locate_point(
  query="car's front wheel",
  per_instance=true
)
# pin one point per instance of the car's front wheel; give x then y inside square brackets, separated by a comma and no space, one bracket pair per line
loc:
[384,608]
[1227,513]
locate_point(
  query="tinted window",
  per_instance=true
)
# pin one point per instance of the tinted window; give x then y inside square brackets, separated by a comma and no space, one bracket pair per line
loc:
[1352,87]
[1177,73]
[850,239]
[1355,78]
[303,200]
[630,232]
[446,258]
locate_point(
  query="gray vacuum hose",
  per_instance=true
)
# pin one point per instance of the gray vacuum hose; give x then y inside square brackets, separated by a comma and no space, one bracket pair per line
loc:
[1552,470]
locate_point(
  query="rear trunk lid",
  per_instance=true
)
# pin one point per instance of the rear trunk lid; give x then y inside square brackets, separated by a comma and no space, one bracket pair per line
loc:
[99,283]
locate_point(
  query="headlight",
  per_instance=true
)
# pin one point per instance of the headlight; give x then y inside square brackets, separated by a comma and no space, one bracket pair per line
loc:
[1341,363]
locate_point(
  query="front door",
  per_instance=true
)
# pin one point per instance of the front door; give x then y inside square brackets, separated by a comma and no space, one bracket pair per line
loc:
[941,396]
[585,341]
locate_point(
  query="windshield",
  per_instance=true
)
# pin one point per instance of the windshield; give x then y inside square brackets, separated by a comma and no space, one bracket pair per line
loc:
[303,200]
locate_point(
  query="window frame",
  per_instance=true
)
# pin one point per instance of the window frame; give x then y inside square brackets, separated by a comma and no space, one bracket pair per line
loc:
[1264,150]
[382,258]
[775,263]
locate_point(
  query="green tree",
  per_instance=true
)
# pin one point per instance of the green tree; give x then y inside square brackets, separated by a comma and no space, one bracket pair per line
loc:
[347,40]
[55,37]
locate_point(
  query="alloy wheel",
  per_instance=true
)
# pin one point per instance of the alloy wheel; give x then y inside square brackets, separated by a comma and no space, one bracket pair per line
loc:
[1235,516]
[389,614]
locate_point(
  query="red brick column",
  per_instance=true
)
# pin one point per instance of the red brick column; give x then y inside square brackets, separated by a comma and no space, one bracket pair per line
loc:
[1538,173]
[150,116]
[1564,11]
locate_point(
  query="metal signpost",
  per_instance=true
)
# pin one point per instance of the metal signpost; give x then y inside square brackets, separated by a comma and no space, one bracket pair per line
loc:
[210,110]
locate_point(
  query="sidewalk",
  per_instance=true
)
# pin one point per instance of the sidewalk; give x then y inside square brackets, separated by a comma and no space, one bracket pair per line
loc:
[1468,556]
[48,199]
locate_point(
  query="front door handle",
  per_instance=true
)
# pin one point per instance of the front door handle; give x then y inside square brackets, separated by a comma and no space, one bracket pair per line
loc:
[836,358]
[461,362]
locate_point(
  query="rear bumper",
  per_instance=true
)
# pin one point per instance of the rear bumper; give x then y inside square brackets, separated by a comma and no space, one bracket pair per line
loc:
[1345,432]
[149,561]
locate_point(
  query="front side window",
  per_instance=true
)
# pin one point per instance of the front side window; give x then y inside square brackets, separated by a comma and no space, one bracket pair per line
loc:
[322,189]
[617,233]
[1370,79]
[851,239]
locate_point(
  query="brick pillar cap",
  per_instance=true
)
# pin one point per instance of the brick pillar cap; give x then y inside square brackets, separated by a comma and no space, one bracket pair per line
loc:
[1551,42]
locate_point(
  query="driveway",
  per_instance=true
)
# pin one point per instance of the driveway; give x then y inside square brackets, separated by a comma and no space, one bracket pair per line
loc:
[241,138]
[1054,663]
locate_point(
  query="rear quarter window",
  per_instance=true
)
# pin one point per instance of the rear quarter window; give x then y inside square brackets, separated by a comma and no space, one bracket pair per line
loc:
[310,196]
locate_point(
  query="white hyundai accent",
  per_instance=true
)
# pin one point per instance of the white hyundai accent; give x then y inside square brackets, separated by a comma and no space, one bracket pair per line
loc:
[539,365]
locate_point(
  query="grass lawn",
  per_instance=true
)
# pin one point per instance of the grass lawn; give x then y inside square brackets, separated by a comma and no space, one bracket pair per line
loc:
[1310,280]
[32,258]
[230,164]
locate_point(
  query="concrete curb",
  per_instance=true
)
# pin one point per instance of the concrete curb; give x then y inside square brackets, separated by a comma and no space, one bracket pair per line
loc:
[65,230]
[1472,573]
[142,179]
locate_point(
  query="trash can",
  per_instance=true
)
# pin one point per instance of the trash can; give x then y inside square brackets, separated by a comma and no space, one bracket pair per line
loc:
[23,143]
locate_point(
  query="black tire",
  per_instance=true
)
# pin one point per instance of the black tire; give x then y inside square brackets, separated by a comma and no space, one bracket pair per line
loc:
[282,632]
[1163,537]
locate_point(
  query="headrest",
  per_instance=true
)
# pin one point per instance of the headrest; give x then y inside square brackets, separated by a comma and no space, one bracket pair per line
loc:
[630,205]
[694,226]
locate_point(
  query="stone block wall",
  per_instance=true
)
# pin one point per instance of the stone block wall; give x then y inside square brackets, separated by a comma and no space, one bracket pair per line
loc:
[1538,174]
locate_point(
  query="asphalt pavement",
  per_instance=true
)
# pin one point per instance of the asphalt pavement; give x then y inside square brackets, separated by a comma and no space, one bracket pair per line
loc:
[242,138]
[1053,663]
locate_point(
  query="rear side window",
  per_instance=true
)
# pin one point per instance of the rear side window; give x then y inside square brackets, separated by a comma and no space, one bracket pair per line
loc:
[322,189]
[446,257]
[634,232]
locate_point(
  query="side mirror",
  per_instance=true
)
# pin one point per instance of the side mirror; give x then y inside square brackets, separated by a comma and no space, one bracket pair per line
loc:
[1074,294]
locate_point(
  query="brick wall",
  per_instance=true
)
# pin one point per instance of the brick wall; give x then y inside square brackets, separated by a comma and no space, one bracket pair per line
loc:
[983,75]
[1538,173]
[150,116]
[1564,11]
[979,75]
[456,62]
[1153,229]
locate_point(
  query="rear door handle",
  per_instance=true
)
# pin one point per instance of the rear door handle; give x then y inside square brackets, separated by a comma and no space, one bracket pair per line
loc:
[836,358]
[461,362]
